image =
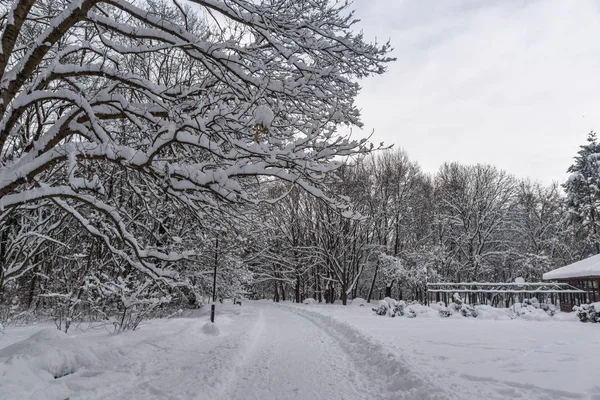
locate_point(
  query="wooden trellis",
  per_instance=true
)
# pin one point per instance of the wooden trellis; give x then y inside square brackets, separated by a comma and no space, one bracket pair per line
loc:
[506,293]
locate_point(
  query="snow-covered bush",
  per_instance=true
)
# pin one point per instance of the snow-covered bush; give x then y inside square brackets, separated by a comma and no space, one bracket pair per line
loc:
[358,302]
[309,301]
[399,308]
[391,307]
[530,313]
[442,310]
[588,312]
[410,312]
[416,309]
[533,302]
[467,310]
[382,308]
[493,313]
[391,302]
[550,309]
[460,307]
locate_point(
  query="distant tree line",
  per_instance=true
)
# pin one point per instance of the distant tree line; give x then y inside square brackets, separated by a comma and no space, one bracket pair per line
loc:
[465,223]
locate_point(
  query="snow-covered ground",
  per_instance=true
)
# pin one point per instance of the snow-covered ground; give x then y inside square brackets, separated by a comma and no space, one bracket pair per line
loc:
[286,351]
[474,358]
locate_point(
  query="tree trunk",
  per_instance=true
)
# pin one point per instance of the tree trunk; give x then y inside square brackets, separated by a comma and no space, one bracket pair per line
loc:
[32,287]
[373,282]
[388,288]
[319,286]
[276,293]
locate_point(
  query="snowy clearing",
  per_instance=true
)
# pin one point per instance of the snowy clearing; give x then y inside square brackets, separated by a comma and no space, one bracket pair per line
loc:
[475,358]
[269,351]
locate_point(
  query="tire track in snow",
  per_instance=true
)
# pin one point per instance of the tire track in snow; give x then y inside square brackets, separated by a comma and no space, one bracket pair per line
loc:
[393,376]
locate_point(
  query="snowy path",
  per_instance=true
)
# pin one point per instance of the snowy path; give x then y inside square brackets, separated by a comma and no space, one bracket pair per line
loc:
[289,357]
[263,351]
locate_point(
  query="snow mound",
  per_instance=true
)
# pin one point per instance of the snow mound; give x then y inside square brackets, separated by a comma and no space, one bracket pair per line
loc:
[565,316]
[210,329]
[310,301]
[492,313]
[390,302]
[531,313]
[357,302]
[35,365]
[421,311]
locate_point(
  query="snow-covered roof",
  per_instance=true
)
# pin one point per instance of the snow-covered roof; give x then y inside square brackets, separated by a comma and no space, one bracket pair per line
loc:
[588,267]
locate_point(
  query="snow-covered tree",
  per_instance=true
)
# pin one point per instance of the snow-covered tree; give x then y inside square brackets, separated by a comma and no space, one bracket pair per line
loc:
[129,117]
[474,217]
[583,196]
[543,243]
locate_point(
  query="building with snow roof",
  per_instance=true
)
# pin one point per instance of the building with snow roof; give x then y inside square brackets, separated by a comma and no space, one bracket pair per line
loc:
[584,275]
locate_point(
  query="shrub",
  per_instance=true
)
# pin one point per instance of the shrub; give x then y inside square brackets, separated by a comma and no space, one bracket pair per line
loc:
[441,308]
[398,309]
[533,302]
[588,312]
[531,313]
[550,309]
[382,309]
[458,306]
[390,307]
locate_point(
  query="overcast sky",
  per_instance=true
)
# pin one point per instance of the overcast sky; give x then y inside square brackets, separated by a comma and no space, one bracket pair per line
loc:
[512,83]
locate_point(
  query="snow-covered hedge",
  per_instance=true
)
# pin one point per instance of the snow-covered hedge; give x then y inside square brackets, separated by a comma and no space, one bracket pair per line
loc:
[530,310]
[588,312]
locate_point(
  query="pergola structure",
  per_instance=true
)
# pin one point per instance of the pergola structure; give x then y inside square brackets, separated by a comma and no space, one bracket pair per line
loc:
[505,293]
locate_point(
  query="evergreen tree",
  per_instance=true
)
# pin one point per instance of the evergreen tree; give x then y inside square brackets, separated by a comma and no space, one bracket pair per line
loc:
[583,196]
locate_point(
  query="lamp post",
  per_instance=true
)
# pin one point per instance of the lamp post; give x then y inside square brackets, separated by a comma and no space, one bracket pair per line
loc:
[214,291]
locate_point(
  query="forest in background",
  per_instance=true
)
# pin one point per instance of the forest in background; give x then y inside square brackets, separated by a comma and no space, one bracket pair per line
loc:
[465,223]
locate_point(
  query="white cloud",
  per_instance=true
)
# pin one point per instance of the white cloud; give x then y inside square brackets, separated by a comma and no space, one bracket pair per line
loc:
[511,83]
